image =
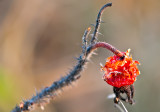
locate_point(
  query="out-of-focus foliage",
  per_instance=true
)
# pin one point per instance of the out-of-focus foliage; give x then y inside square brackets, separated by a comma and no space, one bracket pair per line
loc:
[40,38]
[7,90]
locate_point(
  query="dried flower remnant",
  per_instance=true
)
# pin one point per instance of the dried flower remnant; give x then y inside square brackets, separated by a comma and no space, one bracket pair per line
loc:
[120,72]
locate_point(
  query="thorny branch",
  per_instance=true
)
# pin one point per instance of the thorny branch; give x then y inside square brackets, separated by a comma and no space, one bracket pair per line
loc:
[98,22]
[48,93]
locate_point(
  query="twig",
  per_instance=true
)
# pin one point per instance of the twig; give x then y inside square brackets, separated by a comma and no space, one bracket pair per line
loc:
[98,21]
[48,93]
[84,40]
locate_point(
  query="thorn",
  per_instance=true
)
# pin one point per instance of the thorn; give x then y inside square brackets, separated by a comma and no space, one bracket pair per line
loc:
[100,33]
[76,58]
[82,47]
[96,38]
[61,89]
[23,100]
[94,53]
[101,21]
[91,35]
[72,84]
[42,107]
[93,25]
[87,60]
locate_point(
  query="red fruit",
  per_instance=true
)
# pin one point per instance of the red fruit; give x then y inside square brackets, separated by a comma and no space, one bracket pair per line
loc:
[119,72]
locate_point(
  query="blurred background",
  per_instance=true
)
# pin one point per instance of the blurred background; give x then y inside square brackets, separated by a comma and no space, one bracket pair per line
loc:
[39,40]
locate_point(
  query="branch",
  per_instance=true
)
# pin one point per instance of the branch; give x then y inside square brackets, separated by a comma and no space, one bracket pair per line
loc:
[48,93]
[98,21]
[109,47]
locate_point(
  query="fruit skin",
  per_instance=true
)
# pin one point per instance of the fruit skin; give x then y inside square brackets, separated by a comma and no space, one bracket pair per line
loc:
[120,72]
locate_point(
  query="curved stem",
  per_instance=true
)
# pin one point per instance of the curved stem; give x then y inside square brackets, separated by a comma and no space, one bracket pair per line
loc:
[98,21]
[109,47]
